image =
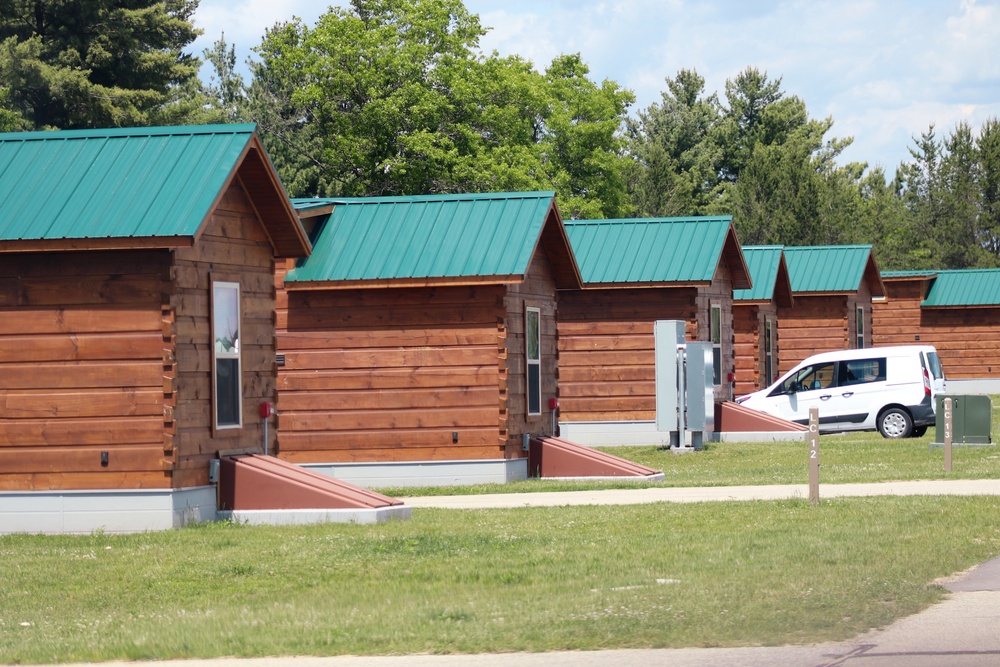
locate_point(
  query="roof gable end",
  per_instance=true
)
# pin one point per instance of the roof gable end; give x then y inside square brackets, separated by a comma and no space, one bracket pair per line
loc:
[769,274]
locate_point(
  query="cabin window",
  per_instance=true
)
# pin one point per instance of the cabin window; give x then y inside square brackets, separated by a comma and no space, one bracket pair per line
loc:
[768,352]
[227,384]
[859,325]
[533,357]
[715,330]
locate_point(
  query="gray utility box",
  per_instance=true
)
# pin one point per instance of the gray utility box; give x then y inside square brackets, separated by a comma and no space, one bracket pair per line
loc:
[971,419]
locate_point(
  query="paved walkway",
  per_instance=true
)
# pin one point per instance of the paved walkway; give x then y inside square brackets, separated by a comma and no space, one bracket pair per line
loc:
[977,487]
[962,631]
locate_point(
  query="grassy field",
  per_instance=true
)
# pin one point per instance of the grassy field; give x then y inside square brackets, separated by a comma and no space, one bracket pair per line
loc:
[710,574]
[849,458]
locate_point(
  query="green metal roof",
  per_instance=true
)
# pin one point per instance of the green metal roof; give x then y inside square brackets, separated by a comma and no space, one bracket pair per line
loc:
[763,263]
[970,287]
[424,237]
[829,269]
[909,274]
[649,250]
[117,183]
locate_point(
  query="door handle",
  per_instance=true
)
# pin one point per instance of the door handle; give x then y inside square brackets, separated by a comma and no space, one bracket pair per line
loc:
[847,394]
[826,397]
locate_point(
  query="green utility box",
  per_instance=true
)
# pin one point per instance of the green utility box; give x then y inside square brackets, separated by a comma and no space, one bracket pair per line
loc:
[971,420]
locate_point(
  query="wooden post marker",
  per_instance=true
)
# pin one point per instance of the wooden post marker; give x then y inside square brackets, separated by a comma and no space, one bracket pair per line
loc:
[948,417]
[813,455]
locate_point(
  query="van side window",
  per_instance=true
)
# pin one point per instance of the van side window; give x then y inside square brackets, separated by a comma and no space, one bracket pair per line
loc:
[817,376]
[860,371]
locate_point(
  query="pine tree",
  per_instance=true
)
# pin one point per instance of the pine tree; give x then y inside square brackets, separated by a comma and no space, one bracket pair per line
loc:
[98,63]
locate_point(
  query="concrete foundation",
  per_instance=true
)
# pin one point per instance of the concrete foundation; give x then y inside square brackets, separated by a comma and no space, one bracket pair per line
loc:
[425,473]
[109,511]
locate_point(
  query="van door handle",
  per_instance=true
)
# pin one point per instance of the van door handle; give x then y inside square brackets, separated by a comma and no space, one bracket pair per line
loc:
[826,397]
[847,394]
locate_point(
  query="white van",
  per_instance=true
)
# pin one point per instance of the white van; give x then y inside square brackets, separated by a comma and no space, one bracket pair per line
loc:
[891,389]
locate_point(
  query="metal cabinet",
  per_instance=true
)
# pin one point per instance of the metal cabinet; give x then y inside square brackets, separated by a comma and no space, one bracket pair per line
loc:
[971,419]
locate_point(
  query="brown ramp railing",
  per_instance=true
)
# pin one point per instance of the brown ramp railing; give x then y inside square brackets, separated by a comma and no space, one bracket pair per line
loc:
[556,457]
[256,482]
[732,417]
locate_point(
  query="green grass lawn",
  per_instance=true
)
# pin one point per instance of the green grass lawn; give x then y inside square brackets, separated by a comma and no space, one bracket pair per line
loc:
[539,579]
[708,574]
[847,458]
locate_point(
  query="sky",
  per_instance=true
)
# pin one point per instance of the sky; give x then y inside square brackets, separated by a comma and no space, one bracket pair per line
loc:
[883,70]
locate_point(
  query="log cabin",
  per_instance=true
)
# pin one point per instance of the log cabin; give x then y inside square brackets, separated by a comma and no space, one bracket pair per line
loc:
[419,338]
[136,320]
[833,288]
[755,318]
[635,272]
[956,311]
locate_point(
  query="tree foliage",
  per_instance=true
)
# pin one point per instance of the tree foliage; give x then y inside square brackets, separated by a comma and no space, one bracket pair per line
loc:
[390,97]
[756,155]
[949,190]
[677,162]
[97,63]
[393,97]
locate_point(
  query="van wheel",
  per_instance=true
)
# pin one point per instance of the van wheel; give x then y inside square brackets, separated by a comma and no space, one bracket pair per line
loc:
[895,423]
[918,431]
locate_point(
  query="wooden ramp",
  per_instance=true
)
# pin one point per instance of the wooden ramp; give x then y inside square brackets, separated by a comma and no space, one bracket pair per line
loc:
[554,457]
[256,482]
[731,417]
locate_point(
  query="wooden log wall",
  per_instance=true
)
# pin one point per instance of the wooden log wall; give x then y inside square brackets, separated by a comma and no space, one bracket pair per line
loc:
[748,346]
[750,356]
[537,291]
[719,293]
[896,319]
[814,324]
[82,358]
[606,349]
[233,247]
[967,339]
[391,374]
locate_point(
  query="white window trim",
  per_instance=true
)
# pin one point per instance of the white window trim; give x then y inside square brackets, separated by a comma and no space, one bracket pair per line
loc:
[218,354]
[859,327]
[713,334]
[768,352]
[528,361]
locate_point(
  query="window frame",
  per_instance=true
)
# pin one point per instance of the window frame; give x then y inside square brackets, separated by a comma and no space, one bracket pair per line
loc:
[219,354]
[529,362]
[862,371]
[715,336]
[768,352]
[817,372]
[859,327]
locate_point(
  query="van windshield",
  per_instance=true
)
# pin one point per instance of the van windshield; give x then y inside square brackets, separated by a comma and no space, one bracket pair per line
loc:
[935,366]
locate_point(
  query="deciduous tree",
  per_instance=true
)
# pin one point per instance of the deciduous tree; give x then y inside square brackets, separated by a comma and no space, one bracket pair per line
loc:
[389,97]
